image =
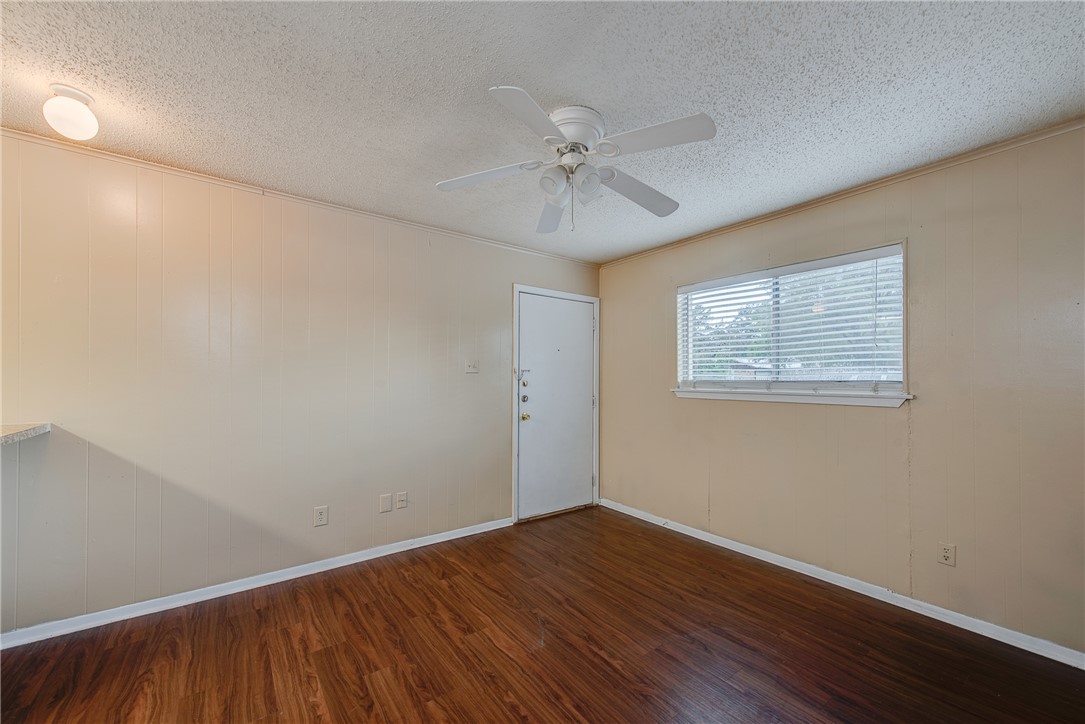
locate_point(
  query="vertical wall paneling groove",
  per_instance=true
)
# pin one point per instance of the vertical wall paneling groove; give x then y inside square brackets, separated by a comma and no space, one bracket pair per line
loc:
[53,381]
[271,440]
[898,222]
[248,468]
[186,492]
[216,362]
[1051,420]
[10,213]
[962,594]
[998,526]
[111,368]
[146,433]
[220,424]
[295,413]
[381,326]
[327,352]
[927,361]
[10,264]
[359,365]
[9,507]
[988,455]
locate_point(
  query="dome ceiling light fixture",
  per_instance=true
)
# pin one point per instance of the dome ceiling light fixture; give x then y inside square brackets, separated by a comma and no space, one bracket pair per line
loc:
[68,113]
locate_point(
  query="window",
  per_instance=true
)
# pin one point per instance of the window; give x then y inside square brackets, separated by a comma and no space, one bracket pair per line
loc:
[829,331]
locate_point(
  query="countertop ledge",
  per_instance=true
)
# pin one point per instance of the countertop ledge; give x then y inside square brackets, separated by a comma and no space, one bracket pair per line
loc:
[15,433]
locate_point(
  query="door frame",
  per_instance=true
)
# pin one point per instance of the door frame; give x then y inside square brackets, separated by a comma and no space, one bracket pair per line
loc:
[517,290]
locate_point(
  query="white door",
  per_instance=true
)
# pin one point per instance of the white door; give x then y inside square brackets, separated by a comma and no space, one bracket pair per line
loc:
[555,403]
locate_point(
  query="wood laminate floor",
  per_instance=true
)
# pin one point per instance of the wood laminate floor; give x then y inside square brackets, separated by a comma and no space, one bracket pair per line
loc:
[588,616]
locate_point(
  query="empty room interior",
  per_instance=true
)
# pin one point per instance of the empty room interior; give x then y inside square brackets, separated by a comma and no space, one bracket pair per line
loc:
[542,361]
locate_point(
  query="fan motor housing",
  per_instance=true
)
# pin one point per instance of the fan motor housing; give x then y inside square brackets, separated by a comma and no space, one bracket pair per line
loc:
[580,124]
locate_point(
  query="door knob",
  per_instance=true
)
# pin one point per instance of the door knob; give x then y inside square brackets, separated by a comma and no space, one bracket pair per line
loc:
[525,416]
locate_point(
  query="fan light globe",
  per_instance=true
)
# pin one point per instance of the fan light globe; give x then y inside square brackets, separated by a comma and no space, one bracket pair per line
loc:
[562,199]
[586,179]
[69,115]
[586,199]
[554,181]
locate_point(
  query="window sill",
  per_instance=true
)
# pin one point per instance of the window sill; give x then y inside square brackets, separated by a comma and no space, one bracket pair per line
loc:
[888,399]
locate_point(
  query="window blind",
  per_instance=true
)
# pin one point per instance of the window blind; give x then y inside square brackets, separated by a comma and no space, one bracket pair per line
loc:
[830,324]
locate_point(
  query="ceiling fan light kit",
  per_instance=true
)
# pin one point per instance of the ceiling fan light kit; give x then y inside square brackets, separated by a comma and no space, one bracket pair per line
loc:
[586,199]
[561,199]
[554,180]
[586,179]
[574,133]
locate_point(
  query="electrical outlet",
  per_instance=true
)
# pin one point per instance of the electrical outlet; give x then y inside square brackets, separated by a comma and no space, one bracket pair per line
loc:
[320,515]
[470,366]
[401,500]
[386,503]
[947,554]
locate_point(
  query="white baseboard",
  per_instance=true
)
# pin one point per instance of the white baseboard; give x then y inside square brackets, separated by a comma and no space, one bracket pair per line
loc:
[142,608]
[1039,646]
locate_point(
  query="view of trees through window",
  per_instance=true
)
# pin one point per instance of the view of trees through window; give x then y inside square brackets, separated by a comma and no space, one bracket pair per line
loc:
[839,323]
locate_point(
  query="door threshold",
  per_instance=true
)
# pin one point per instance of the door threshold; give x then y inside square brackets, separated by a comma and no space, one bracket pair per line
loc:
[556,512]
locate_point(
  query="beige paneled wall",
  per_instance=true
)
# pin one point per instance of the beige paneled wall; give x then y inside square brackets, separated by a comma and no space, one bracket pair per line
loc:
[216,362]
[989,455]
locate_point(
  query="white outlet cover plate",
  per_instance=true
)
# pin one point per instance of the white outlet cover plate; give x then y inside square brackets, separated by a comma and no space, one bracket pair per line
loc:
[386,503]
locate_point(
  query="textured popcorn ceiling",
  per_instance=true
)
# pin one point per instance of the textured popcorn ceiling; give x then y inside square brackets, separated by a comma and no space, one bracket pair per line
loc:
[367,105]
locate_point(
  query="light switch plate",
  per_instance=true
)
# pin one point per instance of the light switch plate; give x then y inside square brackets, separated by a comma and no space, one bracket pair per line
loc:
[470,366]
[401,500]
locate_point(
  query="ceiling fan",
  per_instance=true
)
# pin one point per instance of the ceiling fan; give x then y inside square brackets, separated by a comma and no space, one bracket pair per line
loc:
[575,133]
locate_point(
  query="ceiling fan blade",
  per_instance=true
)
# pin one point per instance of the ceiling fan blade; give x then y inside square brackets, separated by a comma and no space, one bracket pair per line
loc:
[492,175]
[550,219]
[524,107]
[638,192]
[671,133]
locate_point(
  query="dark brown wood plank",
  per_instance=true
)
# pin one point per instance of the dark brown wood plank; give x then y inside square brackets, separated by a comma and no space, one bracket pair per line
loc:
[587,616]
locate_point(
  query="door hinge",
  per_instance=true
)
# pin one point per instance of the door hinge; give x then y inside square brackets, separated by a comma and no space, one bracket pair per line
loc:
[593,401]
[593,324]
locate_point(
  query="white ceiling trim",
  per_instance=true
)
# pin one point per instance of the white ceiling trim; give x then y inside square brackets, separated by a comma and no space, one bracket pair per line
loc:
[366,105]
[76,147]
[966,157]
[119,158]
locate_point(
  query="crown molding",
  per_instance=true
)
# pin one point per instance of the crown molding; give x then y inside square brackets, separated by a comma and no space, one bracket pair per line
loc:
[163,168]
[863,188]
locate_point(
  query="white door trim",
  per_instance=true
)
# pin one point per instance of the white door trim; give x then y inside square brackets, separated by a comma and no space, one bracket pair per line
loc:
[517,290]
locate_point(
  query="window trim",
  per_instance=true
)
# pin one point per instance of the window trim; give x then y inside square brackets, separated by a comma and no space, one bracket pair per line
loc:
[864,399]
[813,392]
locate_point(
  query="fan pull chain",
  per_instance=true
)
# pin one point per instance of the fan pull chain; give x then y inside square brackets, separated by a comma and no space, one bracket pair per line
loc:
[572,211]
